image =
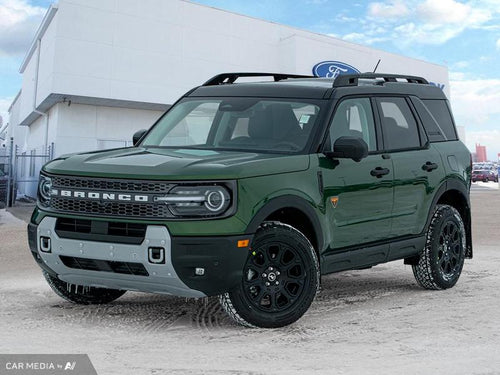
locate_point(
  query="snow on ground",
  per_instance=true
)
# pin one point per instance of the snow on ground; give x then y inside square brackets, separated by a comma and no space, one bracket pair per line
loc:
[485,185]
[376,321]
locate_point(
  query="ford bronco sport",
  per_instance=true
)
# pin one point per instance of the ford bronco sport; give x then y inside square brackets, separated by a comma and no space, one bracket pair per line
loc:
[251,191]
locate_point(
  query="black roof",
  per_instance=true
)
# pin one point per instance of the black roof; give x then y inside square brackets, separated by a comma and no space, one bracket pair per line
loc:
[317,88]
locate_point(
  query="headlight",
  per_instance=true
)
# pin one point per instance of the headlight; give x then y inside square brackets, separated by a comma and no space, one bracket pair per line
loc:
[44,190]
[197,200]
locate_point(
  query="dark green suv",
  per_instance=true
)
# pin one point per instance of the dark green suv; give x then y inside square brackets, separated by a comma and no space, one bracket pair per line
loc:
[252,191]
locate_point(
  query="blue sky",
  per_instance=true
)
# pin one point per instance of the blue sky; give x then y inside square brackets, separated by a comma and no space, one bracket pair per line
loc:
[461,34]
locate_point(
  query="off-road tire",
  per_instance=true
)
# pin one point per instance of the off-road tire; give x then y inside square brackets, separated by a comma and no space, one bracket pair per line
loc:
[82,295]
[442,259]
[285,243]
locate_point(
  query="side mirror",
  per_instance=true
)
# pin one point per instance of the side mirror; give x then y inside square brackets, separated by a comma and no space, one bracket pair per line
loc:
[137,136]
[349,148]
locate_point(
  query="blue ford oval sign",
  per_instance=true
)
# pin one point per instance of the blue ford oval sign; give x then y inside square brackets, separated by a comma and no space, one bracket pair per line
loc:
[332,69]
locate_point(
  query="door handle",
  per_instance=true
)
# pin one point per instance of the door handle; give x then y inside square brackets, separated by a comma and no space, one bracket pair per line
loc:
[429,166]
[379,172]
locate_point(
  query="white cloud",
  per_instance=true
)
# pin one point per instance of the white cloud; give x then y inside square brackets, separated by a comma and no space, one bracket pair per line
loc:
[457,76]
[475,104]
[427,22]
[492,5]
[443,11]
[394,9]
[18,23]
[460,64]
[475,101]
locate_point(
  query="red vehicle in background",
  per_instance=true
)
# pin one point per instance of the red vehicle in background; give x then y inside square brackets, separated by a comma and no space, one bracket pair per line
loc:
[484,175]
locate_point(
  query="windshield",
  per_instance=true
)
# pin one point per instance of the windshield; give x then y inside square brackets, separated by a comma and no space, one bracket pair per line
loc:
[243,124]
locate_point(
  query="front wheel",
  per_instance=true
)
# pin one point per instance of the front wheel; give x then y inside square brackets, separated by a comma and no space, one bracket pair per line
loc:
[280,279]
[83,295]
[442,259]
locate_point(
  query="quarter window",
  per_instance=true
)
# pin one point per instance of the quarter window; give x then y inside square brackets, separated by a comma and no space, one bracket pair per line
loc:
[354,118]
[441,113]
[398,124]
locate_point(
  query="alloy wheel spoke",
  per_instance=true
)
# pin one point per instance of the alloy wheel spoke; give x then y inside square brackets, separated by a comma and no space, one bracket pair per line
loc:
[260,295]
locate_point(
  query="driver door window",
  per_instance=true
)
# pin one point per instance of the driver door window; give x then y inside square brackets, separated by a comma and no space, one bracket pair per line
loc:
[353,118]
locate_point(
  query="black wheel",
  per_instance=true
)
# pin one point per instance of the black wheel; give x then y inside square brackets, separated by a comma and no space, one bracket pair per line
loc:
[82,295]
[442,259]
[280,279]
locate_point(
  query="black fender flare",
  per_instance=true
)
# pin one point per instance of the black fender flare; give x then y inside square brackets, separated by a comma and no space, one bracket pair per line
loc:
[289,201]
[460,186]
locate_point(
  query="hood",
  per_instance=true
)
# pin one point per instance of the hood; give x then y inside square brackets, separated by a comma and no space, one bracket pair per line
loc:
[178,164]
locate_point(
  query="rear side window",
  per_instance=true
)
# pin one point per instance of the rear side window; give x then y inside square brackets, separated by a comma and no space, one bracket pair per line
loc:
[398,124]
[441,112]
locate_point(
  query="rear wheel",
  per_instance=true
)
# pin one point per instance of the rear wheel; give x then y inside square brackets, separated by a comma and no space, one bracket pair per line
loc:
[280,279]
[442,260]
[83,295]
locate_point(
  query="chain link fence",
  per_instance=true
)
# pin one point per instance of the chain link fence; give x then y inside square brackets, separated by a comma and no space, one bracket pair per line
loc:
[19,171]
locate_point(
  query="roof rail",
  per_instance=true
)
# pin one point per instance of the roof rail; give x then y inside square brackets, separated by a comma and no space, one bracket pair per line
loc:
[352,79]
[228,78]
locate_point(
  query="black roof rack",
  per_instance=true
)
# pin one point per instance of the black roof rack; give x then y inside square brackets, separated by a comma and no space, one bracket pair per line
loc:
[352,79]
[228,78]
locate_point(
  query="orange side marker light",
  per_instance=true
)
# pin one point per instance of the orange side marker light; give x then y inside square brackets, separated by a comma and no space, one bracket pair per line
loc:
[243,243]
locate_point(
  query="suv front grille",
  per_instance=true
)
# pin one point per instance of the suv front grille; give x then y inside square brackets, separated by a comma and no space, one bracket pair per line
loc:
[126,209]
[104,266]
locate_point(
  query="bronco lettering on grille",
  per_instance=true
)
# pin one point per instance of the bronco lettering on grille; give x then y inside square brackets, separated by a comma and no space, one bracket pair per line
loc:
[100,196]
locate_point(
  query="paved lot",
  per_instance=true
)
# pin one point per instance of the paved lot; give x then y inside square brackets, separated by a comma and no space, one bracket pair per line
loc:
[376,321]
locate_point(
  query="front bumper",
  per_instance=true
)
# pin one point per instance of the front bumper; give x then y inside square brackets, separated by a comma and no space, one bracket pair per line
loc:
[126,266]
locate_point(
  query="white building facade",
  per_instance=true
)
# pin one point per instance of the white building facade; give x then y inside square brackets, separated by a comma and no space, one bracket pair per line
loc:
[99,70]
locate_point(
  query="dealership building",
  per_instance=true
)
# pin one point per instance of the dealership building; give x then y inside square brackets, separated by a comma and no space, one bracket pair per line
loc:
[99,70]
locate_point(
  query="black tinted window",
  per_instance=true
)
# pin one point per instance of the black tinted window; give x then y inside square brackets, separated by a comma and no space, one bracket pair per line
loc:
[398,124]
[431,126]
[441,113]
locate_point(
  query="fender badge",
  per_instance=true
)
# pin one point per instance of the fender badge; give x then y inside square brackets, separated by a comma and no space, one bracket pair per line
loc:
[334,201]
